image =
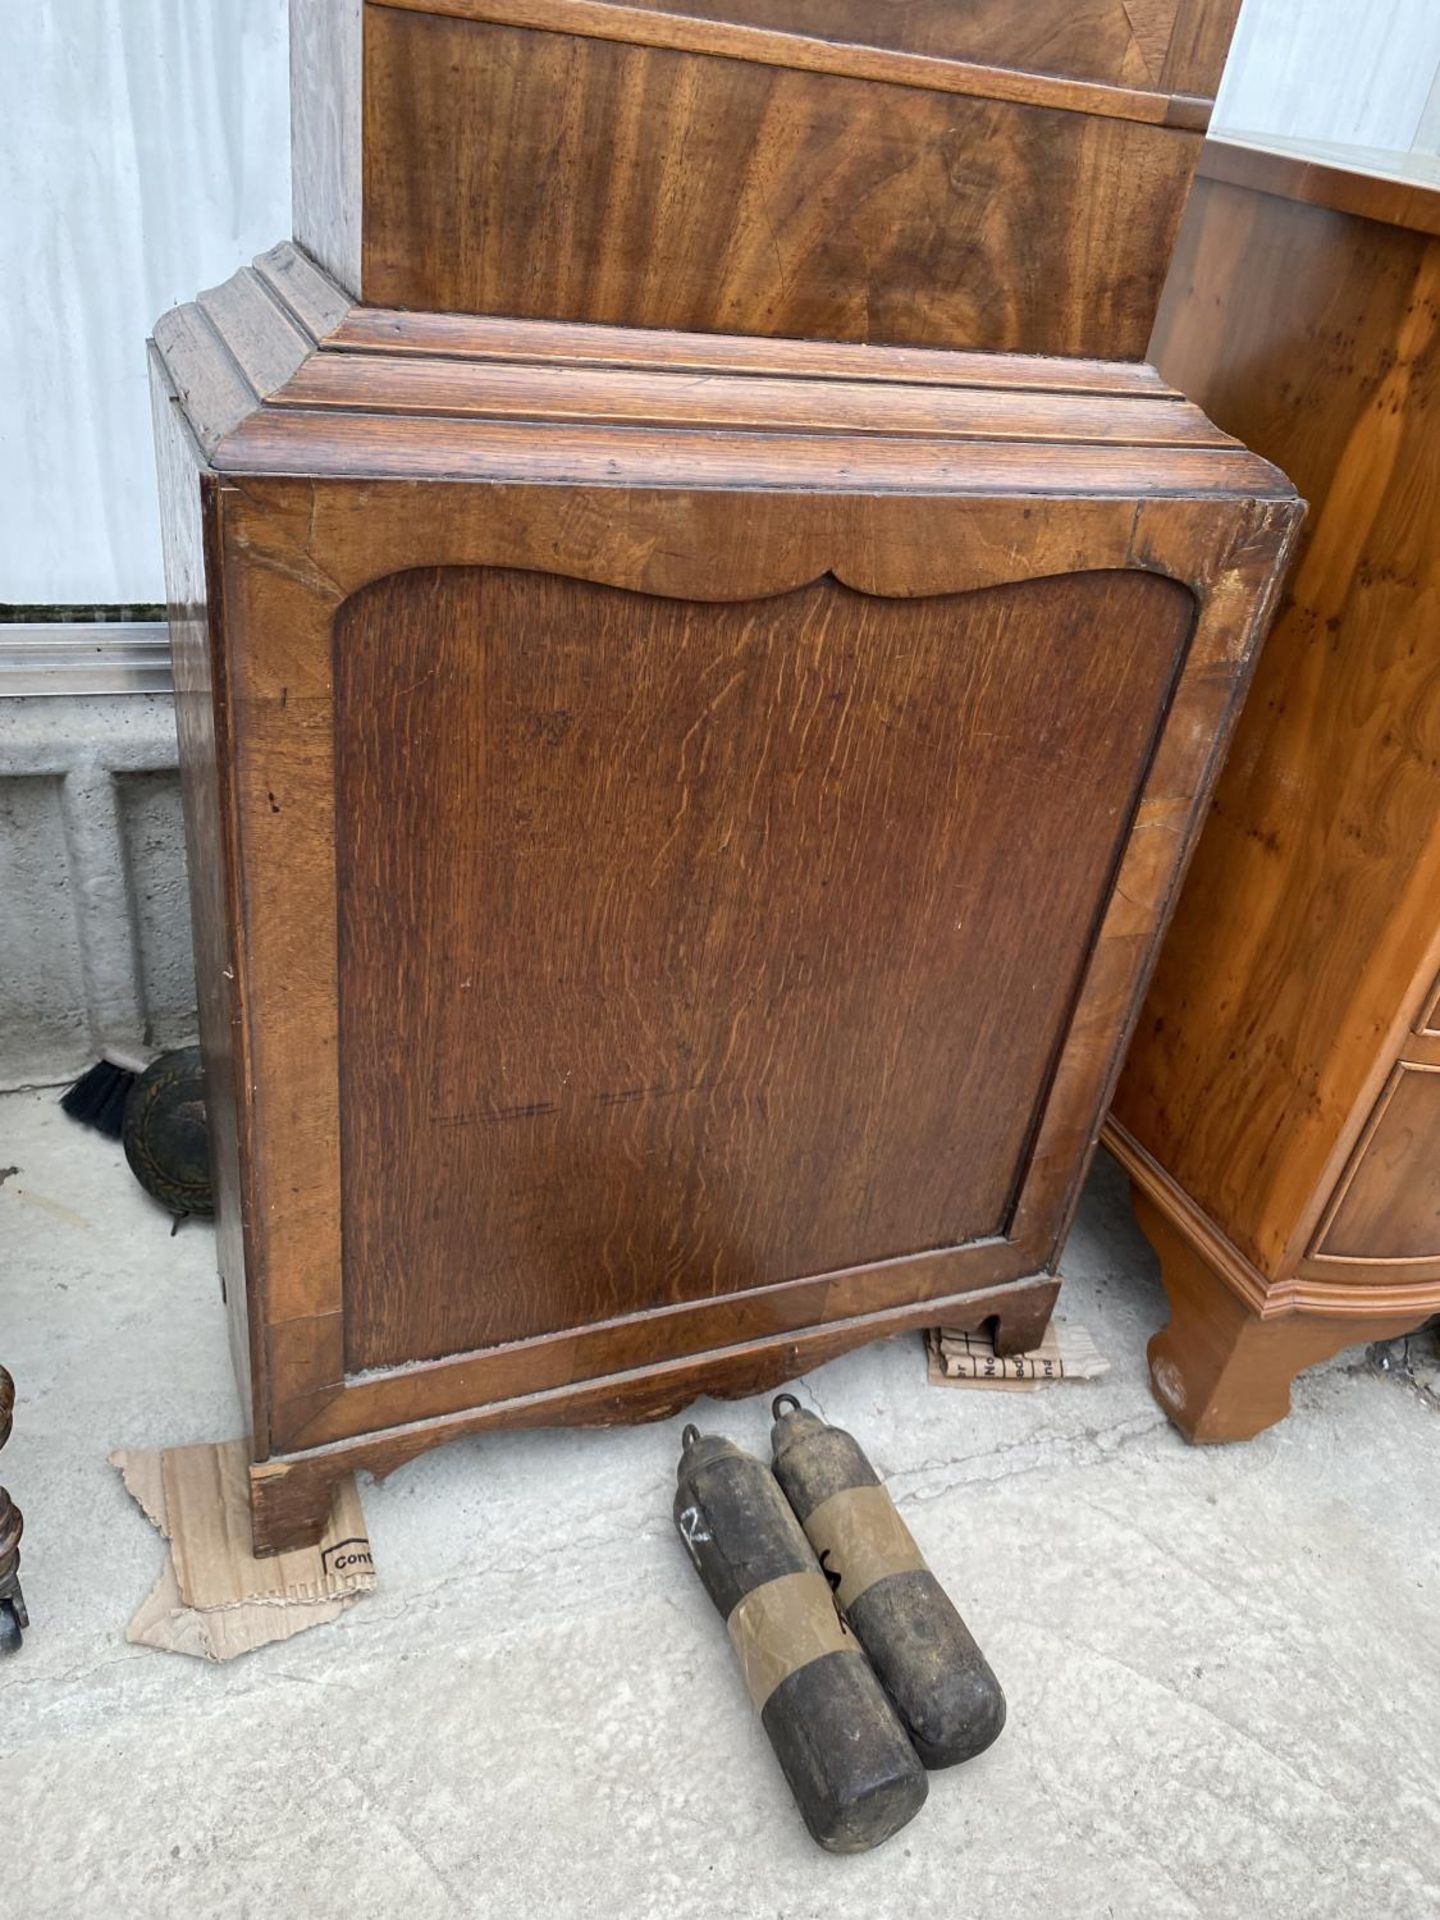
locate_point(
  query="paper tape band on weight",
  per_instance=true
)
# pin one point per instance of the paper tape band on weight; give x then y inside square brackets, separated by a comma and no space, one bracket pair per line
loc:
[858,1535]
[784,1625]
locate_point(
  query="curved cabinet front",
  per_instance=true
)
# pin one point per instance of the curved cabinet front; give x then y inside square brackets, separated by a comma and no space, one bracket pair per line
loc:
[1387,1208]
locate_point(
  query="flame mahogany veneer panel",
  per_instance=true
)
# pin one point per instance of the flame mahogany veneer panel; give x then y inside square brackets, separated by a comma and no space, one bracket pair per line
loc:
[683,947]
[996,174]
[552,176]
[1135,43]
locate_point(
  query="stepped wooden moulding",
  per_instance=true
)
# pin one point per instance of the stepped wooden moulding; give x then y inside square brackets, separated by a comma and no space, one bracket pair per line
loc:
[984,174]
[679,829]
[1280,1108]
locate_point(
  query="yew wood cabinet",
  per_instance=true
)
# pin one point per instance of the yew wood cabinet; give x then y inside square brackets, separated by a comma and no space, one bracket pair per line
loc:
[679,827]
[1000,174]
[1280,1109]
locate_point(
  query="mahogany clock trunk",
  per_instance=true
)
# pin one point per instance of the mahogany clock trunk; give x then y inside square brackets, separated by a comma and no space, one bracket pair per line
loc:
[1001,174]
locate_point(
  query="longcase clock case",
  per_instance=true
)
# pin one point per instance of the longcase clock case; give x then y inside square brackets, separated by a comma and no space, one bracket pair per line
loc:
[679,827]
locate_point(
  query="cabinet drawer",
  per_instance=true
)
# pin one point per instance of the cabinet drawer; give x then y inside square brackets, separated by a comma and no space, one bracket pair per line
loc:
[1388,1204]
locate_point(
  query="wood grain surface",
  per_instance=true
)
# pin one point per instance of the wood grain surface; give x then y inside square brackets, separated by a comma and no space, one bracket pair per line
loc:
[690,874]
[1388,1210]
[291,1495]
[980,175]
[1267,1092]
[868,57]
[1323,183]
[688,400]
[560,344]
[454,396]
[1179,44]
[1308,924]
[545,175]
[1221,1371]
[702,930]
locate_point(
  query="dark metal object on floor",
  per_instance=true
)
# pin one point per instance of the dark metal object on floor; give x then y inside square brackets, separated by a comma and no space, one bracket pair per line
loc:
[853,1773]
[13,1617]
[166,1136]
[942,1686]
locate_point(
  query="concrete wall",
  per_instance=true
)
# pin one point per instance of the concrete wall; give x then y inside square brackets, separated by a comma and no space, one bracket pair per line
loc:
[94,918]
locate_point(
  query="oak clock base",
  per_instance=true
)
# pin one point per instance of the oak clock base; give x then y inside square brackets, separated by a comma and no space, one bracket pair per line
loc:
[290,1494]
[1222,1370]
[802,750]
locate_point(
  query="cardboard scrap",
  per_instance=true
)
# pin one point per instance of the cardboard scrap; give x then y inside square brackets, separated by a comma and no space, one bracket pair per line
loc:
[214,1599]
[960,1359]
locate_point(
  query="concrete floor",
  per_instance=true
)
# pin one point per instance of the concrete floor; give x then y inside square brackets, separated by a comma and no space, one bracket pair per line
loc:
[1221,1664]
